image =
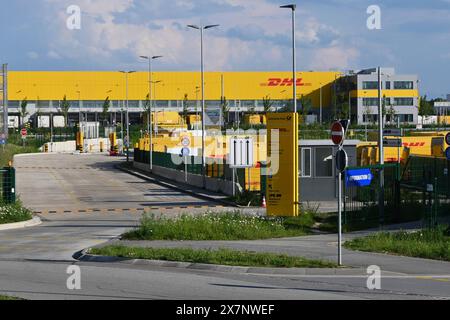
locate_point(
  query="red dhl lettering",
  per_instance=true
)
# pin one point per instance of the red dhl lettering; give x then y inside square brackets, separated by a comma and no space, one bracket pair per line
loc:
[414,144]
[287,82]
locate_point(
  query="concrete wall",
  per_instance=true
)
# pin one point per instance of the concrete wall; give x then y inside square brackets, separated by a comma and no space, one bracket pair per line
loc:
[215,185]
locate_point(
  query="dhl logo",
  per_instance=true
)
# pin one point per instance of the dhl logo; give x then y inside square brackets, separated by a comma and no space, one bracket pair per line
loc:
[414,144]
[287,82]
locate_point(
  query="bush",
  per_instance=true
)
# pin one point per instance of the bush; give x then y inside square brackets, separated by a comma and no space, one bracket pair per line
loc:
[11,213]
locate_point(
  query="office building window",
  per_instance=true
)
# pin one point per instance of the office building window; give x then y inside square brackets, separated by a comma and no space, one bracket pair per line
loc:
[324,162]
[306,163]
[406,118]
[370,102]
[370,85]
[403,85]
[403,101]
[388,85]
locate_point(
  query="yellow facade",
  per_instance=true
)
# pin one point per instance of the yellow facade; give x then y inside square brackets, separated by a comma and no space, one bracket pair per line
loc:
[97,85]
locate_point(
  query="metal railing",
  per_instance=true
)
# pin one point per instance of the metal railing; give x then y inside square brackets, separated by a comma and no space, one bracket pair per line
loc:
[7,185]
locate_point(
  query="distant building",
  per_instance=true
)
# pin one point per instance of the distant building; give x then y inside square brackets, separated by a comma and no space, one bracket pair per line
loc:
[357,95]
[443,108]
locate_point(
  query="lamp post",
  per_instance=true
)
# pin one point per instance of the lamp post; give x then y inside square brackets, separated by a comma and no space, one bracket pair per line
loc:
[201,29]
[293,7]
[127,114]
[149,115]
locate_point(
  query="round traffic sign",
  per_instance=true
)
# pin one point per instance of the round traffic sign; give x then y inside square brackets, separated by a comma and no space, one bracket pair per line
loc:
[337,133]
[447,154]
[447,138]
[341,160]
[24,132]
[186,142]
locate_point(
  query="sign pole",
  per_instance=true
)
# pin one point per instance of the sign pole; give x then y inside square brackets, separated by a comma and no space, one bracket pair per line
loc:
[340,219]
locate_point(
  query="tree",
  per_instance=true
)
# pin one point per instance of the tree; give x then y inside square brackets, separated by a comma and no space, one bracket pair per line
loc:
[267,104]
[185,108]
[23,110]
[64,109]
[105,111]
[224,105]
[426,108]
[305,106]
[147,108]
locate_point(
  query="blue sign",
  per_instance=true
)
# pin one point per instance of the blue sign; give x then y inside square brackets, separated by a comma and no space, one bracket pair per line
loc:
[447,153]
[358,178]
[2,142]
[185,152]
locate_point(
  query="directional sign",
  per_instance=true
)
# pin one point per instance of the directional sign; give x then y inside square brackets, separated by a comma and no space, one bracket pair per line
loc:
[358,178]
[341,160]
[447,154]
[447,139]
[393,143]
[241,153]
[337,133]
[393,132]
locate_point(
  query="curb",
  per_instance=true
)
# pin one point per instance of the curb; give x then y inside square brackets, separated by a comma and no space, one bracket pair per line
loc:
[84,256]
[175,187]
[20,225]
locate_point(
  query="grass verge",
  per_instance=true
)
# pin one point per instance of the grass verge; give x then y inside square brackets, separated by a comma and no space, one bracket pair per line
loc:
[11,213]
[7,298]
[429,244]
[228,226]
[10,150]
[218,257]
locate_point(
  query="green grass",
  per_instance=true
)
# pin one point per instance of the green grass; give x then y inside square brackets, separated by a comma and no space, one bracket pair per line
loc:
[11,213]
[429,244]
[218,257]
[7,298]
[10,150]
[229,226]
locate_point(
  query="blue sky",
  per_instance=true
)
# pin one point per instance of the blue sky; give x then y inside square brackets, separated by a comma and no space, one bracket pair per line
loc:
[254,35]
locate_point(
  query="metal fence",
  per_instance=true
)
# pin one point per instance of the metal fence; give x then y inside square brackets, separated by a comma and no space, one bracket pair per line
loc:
[361,204]
[215,170]
[7,185]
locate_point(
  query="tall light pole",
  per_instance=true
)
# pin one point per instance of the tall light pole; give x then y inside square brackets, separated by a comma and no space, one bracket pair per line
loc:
[293,7]
[127,117]
[149,115]
[381,146]
[79,108]
[201,29]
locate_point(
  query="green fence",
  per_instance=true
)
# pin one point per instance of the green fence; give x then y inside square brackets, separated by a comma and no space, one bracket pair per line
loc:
[426,185]
[7,185]
[362,204]
[215,170]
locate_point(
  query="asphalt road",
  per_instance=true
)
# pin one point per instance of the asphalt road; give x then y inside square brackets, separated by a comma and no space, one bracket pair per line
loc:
[84,202]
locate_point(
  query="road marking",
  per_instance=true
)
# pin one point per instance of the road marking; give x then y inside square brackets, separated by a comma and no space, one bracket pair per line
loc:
[123,210]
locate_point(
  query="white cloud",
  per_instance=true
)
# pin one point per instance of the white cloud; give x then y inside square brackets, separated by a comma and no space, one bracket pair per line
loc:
[33,55]
[334,58]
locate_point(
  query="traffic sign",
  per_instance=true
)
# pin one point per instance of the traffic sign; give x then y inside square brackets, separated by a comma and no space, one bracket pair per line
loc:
[393,143]
[2,142]
[24,132]
[393,132]
[447,138]
[358,178]
[241,153]
[185,152]
[337,133]
[341,160]
[447,154]
[186,142]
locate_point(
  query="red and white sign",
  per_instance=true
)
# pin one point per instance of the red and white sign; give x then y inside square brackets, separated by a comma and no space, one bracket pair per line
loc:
[337,133]
[24,132]
[447,138]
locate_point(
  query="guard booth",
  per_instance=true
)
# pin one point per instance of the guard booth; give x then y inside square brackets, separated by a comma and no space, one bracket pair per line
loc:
[318,168]
[8,185]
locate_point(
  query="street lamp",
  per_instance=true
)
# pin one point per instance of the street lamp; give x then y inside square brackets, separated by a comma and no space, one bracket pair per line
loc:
[201,29]
[293,7]
[149,115]
[127,117]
